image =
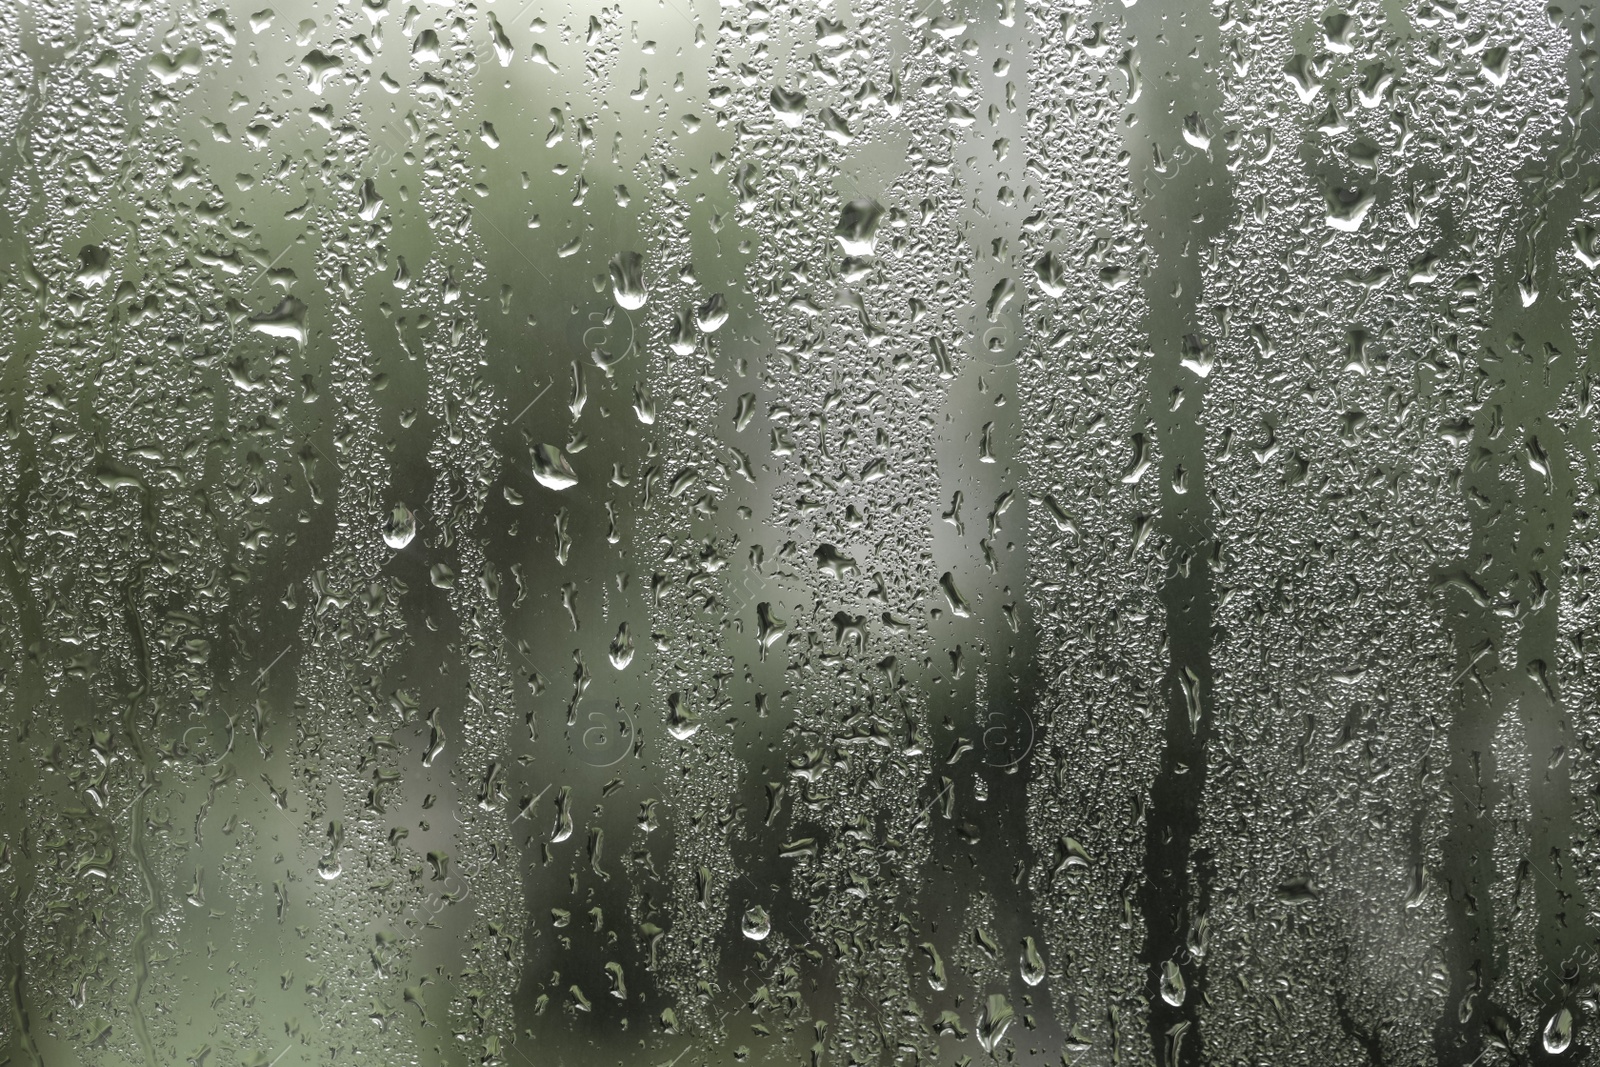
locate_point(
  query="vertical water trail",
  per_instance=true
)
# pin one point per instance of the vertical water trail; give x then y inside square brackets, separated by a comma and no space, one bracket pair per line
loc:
[1096,559]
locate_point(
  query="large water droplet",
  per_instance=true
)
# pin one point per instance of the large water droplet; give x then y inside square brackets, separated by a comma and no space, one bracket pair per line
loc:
[712,314]
[1032,962]
[857,231]
[789,108]
[622,648]
[627,281]
[1558,1032]
[551,469]
[1173,990]
[1052,279]
[399,528]
[756,924]
[286,322]
[681,722]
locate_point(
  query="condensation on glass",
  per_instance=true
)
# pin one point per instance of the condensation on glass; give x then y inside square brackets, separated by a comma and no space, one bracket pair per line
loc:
[835,533]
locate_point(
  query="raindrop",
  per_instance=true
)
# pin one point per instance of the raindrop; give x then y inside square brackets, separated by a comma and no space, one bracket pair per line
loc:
[551,468]
[399,528]
[756,924]
[627,281]
[857,231]
[1558,1032]
[710,315]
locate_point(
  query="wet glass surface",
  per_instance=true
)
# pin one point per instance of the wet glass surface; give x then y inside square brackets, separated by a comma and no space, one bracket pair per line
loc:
[798,533]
